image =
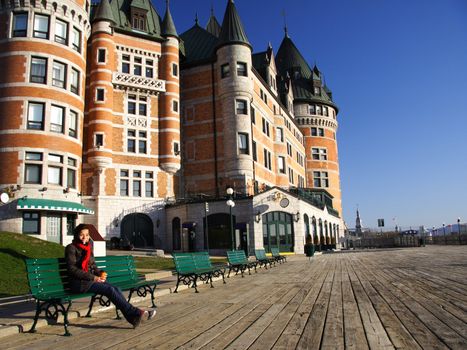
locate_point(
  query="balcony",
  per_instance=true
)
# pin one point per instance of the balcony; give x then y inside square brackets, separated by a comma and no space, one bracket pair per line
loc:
[137,83]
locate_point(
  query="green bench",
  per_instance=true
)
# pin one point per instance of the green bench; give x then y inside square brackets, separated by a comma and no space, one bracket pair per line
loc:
[277,256]
[262,259]
[49,285]
[238,262]
[192,267]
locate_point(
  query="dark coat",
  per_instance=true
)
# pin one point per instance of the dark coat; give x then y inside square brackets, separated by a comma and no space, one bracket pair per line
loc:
[80,281]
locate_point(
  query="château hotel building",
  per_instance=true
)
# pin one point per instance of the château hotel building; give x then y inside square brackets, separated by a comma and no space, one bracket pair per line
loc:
[110,117]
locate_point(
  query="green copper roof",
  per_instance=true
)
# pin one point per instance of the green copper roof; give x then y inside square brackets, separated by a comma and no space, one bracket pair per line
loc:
[304,79]
[199,45]
[52,205]
[103,12]
[121,12]
[168,26]
[232,31]
[213,25]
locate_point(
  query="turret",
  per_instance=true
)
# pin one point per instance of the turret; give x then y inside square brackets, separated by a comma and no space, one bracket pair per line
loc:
[169,122]
[235,91]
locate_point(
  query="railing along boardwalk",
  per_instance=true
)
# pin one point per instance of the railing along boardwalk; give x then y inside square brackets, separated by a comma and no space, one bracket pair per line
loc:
[411,298]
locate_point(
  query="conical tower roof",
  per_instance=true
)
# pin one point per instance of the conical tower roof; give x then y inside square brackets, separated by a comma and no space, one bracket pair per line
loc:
[104,12]
[168,25]
[289,59]
[232,31]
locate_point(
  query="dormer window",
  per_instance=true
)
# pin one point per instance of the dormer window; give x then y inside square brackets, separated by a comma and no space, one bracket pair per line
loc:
[138,19]
[317,91]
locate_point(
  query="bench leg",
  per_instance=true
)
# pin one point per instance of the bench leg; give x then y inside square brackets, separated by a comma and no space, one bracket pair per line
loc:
[194,284]
[36,317]
[178,282]
[91,303]
[65,319]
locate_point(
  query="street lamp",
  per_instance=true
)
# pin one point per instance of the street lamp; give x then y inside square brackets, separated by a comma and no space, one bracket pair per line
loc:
[459,228]
[231,204]
[444,233]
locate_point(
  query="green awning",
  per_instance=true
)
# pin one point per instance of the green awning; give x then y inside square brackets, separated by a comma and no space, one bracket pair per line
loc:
[52,205]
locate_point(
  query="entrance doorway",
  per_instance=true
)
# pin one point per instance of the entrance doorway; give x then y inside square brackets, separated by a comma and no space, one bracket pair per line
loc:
[278,231]
[138,230]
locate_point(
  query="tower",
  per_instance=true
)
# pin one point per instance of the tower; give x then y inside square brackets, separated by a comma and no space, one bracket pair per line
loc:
[42,104]
[316,115]
[358,225]
[235,92]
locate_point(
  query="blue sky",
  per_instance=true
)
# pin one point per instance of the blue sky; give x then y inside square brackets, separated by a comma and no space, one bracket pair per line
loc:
[398,72]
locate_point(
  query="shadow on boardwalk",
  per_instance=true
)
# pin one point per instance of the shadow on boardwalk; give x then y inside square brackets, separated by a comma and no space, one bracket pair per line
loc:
[407,298]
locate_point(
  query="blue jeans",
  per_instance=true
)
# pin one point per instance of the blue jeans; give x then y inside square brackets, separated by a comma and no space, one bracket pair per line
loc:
[116,297]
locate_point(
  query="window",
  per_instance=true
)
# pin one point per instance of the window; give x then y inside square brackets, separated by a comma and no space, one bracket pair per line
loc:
[241,69]
[100,94]
[174,69]
[98,140]
[137,138]
[20,24]
[263,96]
[319,153]
[317,132]
[137,183]
[41,26]
[289,149]
[36,116]
[54,172]
[137,104]
[149,69]
[311,109]
[281,164]
[73,124]
[101,55]
[56,119]
[74,87]
[38,70]
[241,107]
[318,110]
[317,91]
[253,114]
[325,111]
[139,21]
[124,191]
[175,106]
[279,135]
[176,148]
[58,74]
[71,173]
[243,143]
[31,223]
[267,159]
[255,155]
[70,224]
[225,70]
[300,159]
[61,32]
[33,168]
[149,184]
[301,181]
[137,67]
[291,180]
[320,179]
[76,39]
[265,127]
[126,64]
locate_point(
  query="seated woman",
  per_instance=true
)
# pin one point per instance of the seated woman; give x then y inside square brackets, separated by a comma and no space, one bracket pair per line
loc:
[87,278]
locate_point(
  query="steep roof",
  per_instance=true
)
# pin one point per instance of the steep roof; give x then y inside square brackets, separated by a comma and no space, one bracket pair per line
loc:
[168,25]
[199,45]
[232,31]
[121,13]
[213,25]
[103,12]
[304,79]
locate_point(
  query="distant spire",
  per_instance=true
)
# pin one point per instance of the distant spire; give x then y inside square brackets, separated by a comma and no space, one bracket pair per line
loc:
[286,32]
[213,25]
[196,18]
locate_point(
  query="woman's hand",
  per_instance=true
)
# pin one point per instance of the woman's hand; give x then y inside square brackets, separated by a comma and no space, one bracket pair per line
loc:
[98,279]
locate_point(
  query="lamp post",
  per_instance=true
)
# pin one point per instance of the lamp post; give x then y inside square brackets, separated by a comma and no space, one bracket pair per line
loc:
[444,233]
[459,228]
[231,204]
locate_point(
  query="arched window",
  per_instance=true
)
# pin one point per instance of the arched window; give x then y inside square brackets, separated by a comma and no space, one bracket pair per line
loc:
[306,220]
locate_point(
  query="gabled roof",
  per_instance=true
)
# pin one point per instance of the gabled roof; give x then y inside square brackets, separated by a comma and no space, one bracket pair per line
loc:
[199,45]
[232,31]
[121,14]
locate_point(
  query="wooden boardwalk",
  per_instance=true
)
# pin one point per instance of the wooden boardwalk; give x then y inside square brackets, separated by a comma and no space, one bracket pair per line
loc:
[411,298]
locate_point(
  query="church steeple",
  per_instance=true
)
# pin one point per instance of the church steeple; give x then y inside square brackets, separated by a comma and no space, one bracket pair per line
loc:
[232,31]
[358,224]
